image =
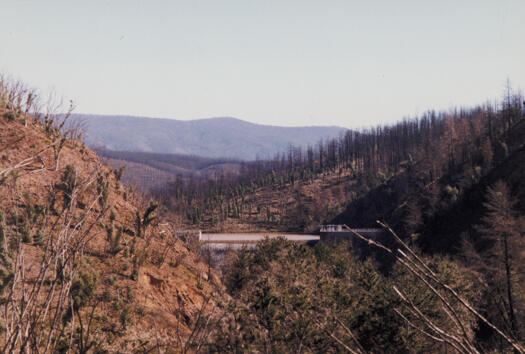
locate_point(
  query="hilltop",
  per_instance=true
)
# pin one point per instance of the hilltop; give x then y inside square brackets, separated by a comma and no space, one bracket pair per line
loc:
[212,137]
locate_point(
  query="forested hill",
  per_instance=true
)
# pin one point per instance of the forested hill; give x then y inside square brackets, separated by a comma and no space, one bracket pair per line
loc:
[147,170]
[449,183]
[407,174]
[213,137]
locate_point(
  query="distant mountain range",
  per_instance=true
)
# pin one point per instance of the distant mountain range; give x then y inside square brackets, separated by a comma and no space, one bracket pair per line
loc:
[212,137]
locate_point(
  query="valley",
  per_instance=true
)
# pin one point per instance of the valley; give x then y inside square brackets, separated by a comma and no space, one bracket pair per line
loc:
[238,256]
[194,177]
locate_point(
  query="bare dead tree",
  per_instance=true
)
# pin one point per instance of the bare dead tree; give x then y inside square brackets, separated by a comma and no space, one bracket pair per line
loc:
[201,330]
[26,163]
[460,340]
[39,293]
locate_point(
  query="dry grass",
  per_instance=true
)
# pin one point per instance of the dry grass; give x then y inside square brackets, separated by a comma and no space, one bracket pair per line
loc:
[162,291]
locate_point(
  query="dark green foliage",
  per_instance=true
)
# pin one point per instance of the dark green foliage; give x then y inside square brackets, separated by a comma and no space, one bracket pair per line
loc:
[10,116]
[138,260]
[148,215]
[68,185]
[498,255]
[289,295]
[2,233]
[114,239]
[83,294]
[59,270]
[119,173]
[40,238]
[33,217]
[239,271]
[142,222]
[83,288]
[138,225]
[130,296]
[135,272]
[461,280]
[26,234]
[103,190]
[125,317]
[6,264]
[115,244]
[52,199]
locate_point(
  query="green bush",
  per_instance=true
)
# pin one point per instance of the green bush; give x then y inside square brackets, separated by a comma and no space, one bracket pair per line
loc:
[83,288]
[40,238]
[114,239]
[125,317]
[103,190]
[287,295]
[68,185]
[10,116]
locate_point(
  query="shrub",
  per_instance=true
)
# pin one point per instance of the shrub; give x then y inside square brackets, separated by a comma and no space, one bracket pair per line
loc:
[26,234]
[114,239]
[200,284]
[82,291]
[125,317]
[103,190]
[141,311]
[10,116]
[143,222]
[130,297]
[40,238]
[119,173]
[2,232]
[68,185]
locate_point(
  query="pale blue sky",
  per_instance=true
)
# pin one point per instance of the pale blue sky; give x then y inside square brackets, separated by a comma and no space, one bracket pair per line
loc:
[306,62]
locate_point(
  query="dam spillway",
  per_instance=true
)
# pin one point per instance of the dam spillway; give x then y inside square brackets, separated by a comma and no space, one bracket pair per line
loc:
[249,240]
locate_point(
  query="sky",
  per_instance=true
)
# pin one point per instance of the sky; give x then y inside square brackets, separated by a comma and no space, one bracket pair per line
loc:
[291,63]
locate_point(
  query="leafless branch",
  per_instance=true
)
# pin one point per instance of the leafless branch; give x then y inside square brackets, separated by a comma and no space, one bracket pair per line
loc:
[420,269]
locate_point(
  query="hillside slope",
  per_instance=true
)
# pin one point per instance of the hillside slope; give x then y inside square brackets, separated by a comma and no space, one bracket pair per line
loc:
[445,231]
[404,174]
[93,265]
[214,137]
[147,170]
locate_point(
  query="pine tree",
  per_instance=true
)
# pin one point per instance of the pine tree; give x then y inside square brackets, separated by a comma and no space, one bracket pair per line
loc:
[503,231]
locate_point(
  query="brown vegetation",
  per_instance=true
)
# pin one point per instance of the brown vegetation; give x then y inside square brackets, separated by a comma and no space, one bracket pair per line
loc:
[85,263]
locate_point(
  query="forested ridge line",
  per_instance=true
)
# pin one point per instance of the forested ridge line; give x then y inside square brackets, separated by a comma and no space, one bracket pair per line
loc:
[361,176]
